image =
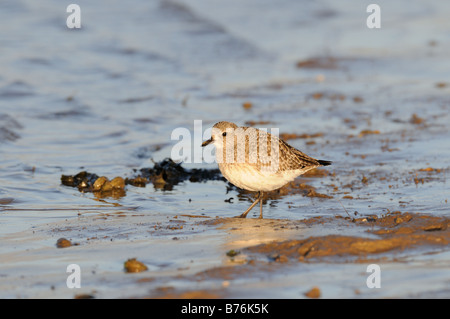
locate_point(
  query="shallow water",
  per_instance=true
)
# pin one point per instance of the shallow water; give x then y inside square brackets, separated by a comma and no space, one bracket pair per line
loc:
[107,97]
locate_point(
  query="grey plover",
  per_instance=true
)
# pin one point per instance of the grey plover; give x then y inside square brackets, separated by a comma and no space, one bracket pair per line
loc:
[256,160]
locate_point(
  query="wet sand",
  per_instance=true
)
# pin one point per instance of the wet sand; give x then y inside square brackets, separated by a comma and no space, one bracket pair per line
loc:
[242,257]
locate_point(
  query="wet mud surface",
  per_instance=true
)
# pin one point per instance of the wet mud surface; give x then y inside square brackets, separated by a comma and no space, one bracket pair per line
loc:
[88,175]
[397,237]
[396,232]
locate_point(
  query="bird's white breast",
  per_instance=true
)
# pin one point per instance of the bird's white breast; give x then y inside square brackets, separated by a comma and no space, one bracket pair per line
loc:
[249,178]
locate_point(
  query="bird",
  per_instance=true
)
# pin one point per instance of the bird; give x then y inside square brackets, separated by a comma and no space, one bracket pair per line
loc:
[255,160]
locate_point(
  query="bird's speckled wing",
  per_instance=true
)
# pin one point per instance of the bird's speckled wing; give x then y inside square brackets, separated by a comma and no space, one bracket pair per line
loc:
[292,159]
[267,152]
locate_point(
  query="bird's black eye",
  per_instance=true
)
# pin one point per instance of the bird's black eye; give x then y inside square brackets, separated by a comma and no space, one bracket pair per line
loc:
[224,134]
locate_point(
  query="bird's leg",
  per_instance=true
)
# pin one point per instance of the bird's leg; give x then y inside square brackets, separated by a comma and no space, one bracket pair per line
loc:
[243,215]
[260,204]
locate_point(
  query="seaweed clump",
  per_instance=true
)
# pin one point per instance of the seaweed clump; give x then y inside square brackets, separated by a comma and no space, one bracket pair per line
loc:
[164,175]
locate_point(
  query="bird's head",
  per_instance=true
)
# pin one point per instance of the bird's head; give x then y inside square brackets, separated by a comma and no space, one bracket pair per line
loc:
[219,132]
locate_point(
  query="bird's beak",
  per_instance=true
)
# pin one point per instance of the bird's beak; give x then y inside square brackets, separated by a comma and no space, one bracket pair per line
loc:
[207,142]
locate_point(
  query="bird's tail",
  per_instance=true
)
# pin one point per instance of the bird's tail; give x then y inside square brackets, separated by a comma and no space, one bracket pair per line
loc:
[324,163]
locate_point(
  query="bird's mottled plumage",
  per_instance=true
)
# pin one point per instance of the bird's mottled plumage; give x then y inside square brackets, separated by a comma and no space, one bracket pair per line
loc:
[256,160]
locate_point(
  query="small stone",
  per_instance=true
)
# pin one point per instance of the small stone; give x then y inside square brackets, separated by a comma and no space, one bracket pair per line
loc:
[232,253]
[118,183]
[98,184]
[416,119]
[107,187]
[63,243]
[313,293]
[133,265]
[358,99]
[247,105]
